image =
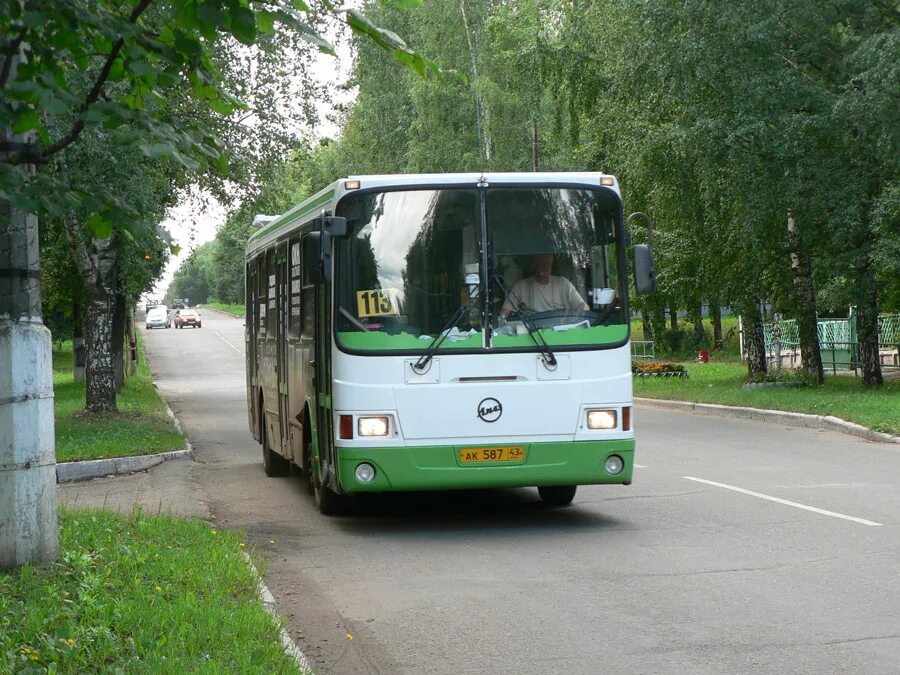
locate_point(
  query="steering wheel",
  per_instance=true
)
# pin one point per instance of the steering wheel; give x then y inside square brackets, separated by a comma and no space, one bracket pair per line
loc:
[561,317]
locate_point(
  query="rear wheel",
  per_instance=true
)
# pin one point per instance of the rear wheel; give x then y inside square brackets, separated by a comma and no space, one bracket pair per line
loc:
[273,463]
[557,495]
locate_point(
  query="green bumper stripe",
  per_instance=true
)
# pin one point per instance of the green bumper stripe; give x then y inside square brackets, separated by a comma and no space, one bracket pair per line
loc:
[438,467]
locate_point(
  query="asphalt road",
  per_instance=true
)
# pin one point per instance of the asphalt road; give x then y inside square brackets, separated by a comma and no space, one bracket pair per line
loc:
[741,547]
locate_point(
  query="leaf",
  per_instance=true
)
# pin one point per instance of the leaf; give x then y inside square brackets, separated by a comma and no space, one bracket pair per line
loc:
[28,119]
[265,21]
[174,248]
[243,25]
[99,226]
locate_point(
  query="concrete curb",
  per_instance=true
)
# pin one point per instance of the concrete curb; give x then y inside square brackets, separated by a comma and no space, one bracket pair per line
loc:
[780,416]
[68,472]
[268,601]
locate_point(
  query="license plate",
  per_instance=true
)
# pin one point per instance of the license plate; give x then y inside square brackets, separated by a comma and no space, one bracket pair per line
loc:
[514,453]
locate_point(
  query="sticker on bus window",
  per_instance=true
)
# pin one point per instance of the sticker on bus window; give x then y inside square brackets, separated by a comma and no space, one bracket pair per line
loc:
[377,302]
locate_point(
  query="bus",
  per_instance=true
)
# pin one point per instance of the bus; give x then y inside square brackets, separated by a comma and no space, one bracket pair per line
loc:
[445,331]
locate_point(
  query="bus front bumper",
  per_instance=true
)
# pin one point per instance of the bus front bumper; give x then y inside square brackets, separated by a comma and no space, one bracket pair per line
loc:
[440,467]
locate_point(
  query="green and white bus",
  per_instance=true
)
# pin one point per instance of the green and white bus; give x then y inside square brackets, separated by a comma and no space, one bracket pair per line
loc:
[444,331]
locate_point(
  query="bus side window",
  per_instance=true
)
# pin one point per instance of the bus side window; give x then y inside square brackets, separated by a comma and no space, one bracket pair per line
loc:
[296,287]
[272,311]
[307,303]
[262,301]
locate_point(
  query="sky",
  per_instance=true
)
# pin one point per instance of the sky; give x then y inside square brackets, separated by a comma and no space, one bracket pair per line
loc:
[196,218]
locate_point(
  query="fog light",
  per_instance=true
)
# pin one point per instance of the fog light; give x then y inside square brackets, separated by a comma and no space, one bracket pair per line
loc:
[373,426]
[365,473]
[601,419]
[614,465]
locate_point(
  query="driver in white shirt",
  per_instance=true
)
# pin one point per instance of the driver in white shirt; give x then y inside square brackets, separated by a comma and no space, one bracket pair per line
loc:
[542,291]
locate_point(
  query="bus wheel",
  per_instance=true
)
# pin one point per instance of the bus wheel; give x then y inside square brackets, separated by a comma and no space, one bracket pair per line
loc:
[273,463]
[330,503]
[557,495]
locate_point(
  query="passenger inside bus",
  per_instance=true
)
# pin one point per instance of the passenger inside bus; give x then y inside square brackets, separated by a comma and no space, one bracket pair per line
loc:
[542,291]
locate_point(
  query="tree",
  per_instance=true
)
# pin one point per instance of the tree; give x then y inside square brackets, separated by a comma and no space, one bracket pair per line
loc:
[139,60]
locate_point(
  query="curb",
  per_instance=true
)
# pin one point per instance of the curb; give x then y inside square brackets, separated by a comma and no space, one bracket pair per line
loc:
[69,472]
[268,601]
[761,414]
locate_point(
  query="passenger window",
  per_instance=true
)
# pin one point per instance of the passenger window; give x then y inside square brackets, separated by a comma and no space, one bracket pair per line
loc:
[296,290]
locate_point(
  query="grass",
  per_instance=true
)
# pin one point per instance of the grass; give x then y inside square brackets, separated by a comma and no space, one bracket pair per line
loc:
[138,594]
[841,396]
[141,427]
[234,310]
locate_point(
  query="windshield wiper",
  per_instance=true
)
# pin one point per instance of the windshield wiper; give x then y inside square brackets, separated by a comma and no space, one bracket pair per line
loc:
[533,332]
[441,336]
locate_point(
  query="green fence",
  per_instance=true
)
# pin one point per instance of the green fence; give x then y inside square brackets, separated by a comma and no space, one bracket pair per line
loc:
[838,342]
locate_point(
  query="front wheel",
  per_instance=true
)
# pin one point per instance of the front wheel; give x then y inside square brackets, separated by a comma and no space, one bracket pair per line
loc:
[329,502]
[557,495]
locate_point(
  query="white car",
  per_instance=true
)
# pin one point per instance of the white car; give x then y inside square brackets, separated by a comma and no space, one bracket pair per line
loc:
[158,317]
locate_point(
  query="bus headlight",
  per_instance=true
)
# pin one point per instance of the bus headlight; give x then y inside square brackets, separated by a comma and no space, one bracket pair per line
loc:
[601,419]
[373,426]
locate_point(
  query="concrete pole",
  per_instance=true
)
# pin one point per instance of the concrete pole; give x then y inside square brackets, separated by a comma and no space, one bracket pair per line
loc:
[28,525]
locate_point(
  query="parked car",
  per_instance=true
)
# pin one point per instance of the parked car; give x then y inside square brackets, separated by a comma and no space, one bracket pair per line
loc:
[188,317]
[158,317]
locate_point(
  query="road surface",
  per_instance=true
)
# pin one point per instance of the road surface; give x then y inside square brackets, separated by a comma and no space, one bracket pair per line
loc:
[741,547]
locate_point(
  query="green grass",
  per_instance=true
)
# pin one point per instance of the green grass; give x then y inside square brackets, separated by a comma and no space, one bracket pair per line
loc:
[234,310]
[141,427]
[138,594]
[841,396]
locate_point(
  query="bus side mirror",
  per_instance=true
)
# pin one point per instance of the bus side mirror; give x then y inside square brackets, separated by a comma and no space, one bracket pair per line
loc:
[312,261]
[644,274]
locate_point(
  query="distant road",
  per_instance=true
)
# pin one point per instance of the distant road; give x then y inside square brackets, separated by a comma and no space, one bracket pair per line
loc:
[742,547]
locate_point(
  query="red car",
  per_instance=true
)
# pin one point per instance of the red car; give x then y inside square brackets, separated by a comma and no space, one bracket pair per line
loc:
[187,317]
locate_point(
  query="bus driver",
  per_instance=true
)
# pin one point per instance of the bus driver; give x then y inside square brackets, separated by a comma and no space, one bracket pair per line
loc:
[542,291]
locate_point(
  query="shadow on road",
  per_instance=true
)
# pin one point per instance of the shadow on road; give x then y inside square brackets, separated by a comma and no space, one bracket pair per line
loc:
[502,512]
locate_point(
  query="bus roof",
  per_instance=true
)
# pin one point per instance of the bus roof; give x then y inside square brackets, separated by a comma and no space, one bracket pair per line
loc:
[326,199]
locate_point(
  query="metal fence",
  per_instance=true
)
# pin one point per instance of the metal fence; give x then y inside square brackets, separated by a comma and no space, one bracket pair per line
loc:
[838,344]
[643,349]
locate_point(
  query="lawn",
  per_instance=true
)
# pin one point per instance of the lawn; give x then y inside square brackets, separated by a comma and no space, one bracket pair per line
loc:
[141,427]
[234,310]
[138,594]
[841,396]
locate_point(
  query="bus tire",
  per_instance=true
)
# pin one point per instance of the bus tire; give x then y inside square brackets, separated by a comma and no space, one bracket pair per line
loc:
[557,495]
[274,464]
[329,502]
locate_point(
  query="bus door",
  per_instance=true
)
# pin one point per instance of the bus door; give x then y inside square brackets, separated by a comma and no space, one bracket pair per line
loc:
[324,417]
[281,360]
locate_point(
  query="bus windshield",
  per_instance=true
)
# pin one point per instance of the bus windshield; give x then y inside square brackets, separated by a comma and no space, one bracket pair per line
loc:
[411,274]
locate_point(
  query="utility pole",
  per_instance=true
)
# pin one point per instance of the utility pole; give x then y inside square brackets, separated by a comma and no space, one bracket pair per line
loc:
[28,525]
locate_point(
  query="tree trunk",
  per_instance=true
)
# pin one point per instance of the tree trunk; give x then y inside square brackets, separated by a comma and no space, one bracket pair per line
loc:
[78,349]
[645,325]
[697,321]
[867,335]
[101,383]
[673,316]
[805,305]
[716,313]
[754,342]
[132,342]
[118,341]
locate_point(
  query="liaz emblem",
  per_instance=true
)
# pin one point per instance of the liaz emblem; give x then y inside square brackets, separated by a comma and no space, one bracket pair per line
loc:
[489,410]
